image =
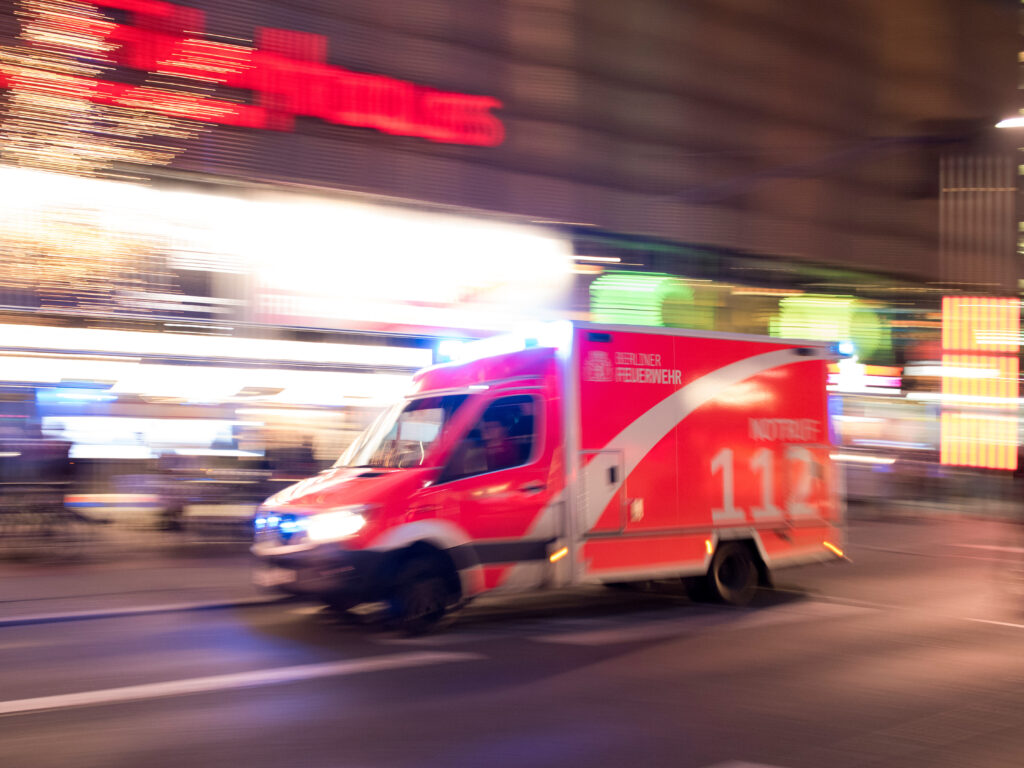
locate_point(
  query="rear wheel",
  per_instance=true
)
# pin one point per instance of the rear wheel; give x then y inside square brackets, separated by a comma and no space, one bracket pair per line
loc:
[732,576]
[420,597]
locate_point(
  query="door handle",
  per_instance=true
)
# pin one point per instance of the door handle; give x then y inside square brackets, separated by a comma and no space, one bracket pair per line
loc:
[532,487]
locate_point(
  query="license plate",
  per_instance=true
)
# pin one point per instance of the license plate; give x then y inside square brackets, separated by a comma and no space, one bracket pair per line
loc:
[273,576]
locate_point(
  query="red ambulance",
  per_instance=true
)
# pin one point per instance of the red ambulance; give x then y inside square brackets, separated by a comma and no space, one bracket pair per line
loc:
[607,454]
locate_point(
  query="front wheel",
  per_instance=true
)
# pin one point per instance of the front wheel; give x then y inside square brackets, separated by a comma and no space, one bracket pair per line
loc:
[419,599]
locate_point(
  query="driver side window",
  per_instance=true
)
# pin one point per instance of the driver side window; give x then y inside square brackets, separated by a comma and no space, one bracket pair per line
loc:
[503,438]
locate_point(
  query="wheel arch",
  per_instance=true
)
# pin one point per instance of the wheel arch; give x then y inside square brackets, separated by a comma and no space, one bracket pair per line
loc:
[439,539]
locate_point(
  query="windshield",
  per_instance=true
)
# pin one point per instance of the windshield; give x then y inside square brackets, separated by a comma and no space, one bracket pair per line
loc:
[403,434]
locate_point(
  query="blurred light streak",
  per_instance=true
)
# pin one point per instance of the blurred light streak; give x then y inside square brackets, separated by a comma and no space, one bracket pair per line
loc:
[55,117]
[870,370]
[833,548]
[87,243]
[850,376]
[980,324]
[961,373]
[651,298]
[215,452]
[938,397]
[289,413]
[105,500]
[396,269]
[766,292]
[902,444]
[998,339]
[832,318]
[449,349]
[74,111]
[91,451]
[914,324]
[95,340]
[209,384]
[862,459]
[556,334]
[558,554]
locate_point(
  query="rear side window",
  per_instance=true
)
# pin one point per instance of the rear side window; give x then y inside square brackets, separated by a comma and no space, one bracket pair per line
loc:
[503,438]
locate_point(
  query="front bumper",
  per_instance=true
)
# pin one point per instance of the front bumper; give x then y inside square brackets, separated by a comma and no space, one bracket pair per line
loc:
[325,572]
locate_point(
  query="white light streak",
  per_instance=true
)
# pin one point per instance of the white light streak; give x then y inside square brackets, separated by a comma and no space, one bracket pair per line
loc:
[965,399]
[859,459]
[951,372]
[93,340]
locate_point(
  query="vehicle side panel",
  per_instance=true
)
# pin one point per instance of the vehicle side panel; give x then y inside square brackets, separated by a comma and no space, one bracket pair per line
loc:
[717,438]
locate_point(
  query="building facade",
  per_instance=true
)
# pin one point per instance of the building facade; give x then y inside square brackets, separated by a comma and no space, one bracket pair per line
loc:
[786,130]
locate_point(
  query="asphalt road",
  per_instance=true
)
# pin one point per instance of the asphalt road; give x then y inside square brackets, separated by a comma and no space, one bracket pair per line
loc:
[911,656]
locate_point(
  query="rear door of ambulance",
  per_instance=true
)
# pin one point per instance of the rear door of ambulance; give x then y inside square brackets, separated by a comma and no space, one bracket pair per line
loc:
[688,438]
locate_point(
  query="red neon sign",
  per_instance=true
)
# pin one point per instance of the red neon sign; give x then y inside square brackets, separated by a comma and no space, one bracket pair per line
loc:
[286,71]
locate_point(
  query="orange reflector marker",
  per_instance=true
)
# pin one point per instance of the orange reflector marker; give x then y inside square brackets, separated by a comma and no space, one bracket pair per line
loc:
[833,548]
[556,556]
[707,546]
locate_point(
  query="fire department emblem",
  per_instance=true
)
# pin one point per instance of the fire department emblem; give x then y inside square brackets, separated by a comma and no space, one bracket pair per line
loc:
[598,367]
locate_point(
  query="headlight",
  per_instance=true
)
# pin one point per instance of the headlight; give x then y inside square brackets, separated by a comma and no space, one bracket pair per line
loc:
[335,525]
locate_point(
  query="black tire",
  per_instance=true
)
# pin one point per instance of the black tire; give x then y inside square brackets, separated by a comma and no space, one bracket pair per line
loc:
[420,597]
[732,576]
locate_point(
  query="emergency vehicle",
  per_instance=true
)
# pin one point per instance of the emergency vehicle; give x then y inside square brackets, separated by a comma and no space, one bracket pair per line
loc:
[606,454]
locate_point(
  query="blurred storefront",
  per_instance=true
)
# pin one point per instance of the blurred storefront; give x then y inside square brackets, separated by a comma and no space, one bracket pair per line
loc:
[772,131]
[194,347]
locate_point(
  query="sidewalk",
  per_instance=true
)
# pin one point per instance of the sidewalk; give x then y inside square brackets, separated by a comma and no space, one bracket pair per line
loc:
[48,591]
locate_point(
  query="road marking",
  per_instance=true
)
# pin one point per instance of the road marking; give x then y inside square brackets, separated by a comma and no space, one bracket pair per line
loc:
[993,548]
[275,676]
[1012,624]
[726,619]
